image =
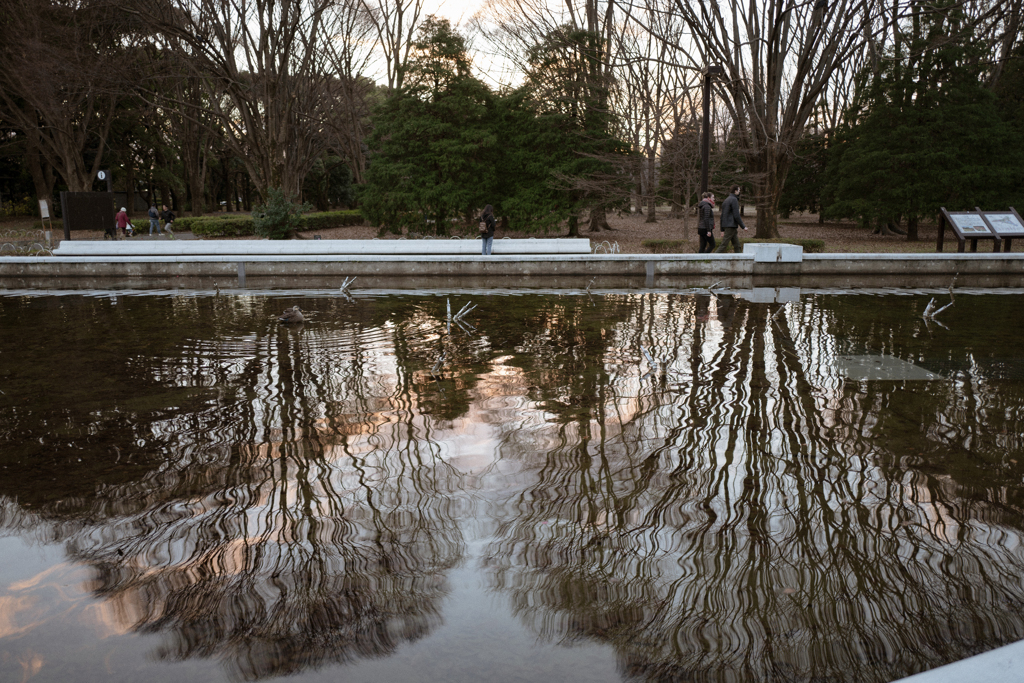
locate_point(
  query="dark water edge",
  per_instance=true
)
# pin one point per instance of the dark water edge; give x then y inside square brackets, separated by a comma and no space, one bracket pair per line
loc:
[820,489]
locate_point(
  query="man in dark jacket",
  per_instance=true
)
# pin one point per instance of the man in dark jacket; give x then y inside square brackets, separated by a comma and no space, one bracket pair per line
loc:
[168,217]
[731,218]
[706,223]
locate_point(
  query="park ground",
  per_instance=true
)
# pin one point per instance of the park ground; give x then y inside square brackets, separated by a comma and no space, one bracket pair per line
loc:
[629,232]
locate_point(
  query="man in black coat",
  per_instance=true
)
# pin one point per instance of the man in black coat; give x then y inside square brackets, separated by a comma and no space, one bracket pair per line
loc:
[731,218]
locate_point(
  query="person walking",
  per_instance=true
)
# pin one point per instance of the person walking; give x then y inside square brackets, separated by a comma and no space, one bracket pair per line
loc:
[731,218]
[487,225]
[154,219]
[168,217]
[706,223]
[121,220]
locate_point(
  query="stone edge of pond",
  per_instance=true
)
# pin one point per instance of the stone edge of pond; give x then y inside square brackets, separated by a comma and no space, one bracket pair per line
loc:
[1002,665]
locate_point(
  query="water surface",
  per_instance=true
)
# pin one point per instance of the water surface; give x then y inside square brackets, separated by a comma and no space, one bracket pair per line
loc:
[824,490]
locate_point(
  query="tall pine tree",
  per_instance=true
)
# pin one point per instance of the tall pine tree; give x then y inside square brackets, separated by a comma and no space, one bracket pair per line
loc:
[432,151]
[924,132]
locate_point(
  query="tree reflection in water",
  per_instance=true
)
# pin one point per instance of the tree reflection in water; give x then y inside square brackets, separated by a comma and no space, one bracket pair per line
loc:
[284,499]
[304,515]
[757,517]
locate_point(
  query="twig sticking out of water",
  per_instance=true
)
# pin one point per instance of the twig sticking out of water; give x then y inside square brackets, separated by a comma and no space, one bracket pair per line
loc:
[930,312]
[779,310]
[589,284]
[712,287]
[462,312]
[347,283]
[438,364]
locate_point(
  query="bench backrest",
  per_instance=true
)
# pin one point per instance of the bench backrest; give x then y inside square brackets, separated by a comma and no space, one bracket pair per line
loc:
[438,247]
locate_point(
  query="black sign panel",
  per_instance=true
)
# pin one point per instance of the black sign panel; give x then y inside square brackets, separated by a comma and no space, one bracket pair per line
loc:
[87,211]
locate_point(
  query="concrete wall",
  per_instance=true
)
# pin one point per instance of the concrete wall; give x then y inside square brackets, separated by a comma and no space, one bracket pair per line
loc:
[629,270]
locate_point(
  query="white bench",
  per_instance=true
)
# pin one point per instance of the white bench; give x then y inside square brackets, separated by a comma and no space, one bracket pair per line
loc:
[428,247]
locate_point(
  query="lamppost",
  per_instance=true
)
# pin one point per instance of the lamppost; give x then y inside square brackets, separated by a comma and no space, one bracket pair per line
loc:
[705,151]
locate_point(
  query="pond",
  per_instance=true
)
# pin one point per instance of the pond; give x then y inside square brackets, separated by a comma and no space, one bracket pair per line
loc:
[581,486]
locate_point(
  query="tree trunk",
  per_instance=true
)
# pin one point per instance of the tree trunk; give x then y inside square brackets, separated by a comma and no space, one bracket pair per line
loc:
[769,185]
[652,189]
[676,211]
[129,186]
[912,229]
[599,219]
[196,189]
[574,226]
[41,172]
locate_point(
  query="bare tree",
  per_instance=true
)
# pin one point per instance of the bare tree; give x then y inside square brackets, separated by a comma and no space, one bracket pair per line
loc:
[267,75]
[62,71]
[682,150]
[645,73]
[350,53]
[396,23]
[779,57]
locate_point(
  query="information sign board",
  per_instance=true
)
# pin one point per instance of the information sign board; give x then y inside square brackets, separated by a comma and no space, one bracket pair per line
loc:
[1005,223]
[970,224]
[966,225]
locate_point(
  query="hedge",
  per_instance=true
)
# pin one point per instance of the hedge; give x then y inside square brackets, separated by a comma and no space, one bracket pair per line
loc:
[235,225]
[666,246]
[238,226]
[331,219]
[228,226]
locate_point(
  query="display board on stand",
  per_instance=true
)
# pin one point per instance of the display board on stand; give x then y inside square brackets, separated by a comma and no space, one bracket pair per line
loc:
[1007,225]
[999,226]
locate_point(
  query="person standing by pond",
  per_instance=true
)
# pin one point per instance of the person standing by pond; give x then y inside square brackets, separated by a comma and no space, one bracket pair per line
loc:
[487,225]
[706,223]
[731,218]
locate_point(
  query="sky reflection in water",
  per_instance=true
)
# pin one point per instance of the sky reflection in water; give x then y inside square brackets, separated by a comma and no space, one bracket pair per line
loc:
[189,488]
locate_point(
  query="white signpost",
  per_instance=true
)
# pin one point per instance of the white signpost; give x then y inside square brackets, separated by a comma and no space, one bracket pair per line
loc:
[44,214]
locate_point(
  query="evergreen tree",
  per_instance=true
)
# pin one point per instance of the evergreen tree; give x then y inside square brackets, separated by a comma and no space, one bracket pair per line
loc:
[433,148]
[569,91]
[806,178]
[923,133]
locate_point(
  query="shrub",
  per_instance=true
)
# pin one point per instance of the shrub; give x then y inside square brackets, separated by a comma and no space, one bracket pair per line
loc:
[279,217]
[666,246]
[181,224]
[331,219]
[228,226]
